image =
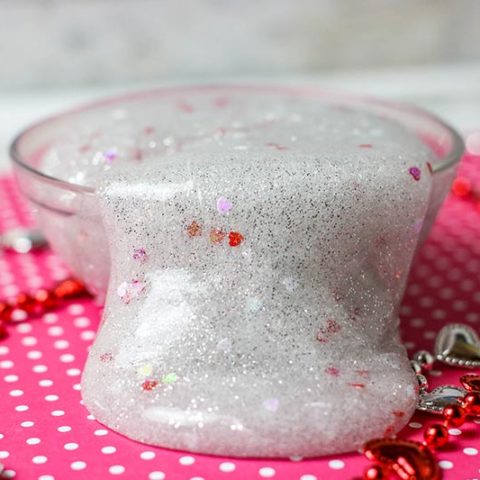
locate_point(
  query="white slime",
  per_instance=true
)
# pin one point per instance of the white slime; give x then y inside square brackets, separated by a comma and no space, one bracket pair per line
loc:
[259,247]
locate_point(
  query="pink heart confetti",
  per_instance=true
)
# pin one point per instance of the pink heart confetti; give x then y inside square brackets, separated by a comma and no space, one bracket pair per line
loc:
[140,255]
[224,205]
[415,172]
[110,156]
[271,404]
[129,290]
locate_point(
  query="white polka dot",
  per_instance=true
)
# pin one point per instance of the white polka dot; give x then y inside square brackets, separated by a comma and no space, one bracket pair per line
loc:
[267,472]
[73,372]
[77,387]
[4,350]
[29,341]
[16,393]
[109,450]
[46,477]
[34,355]
[472,317]
[11,290]
[87,335]
[81,322]
[39,459]
[439,314]
[55,331]
[24,328]
[186,460]
[470,451]
[460,305]
[435,373]
[156,476]
[446,293]
[51,398]
[76,309]
[9,474]
[35,282]
[417,322]
[100,432]
[33,441]
[6,364]
[11,378]
[19,316]
[40,368]
[45,382]
[308,477]
[70,446]
[415,425]
[116,469]
[27,424]
[455,431]
[414,289]
[58,413]
[426,302]
[4,454]
[21,408]
[429,334]
[227,467]
[64,428]
[445,464]
[67,358]
[197,478]
[148,455]
[61,344]
[78,465]
[90,417]
[50,318]
[336,464]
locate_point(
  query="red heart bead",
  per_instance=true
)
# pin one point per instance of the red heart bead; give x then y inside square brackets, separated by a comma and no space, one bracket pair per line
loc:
[471,382]
[409,460]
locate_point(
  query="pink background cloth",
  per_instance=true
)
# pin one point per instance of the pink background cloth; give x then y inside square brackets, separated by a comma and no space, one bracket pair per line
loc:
[47,434]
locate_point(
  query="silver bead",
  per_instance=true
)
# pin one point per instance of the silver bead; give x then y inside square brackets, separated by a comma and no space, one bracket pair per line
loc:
[422,383]
[425,359]
[417,368]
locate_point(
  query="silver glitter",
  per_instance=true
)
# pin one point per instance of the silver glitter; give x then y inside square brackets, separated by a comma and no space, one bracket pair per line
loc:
[277,321]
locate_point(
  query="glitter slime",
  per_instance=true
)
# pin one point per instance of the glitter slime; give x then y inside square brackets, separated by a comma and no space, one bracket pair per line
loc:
[259,245]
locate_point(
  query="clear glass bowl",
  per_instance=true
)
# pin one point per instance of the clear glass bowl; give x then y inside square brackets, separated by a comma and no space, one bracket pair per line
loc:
[70,208]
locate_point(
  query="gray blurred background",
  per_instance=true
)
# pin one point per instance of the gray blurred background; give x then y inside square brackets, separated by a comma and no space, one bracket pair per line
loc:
[56,52]
[64,43]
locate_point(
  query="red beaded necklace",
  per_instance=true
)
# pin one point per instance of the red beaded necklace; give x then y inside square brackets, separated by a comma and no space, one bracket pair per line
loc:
[409,460]
[26,305]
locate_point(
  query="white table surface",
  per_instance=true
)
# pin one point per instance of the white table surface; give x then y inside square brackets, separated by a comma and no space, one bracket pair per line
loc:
[453,92]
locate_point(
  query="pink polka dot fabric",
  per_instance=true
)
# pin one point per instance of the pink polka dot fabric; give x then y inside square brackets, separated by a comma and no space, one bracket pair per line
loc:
[47,434]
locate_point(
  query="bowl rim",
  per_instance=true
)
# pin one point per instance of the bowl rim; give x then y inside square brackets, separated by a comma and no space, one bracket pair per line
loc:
[453,156]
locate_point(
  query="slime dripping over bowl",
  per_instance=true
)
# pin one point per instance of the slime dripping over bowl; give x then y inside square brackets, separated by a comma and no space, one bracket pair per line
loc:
[252,236]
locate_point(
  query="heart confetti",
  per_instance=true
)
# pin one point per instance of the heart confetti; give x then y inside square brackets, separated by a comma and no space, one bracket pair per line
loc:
[224,205]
